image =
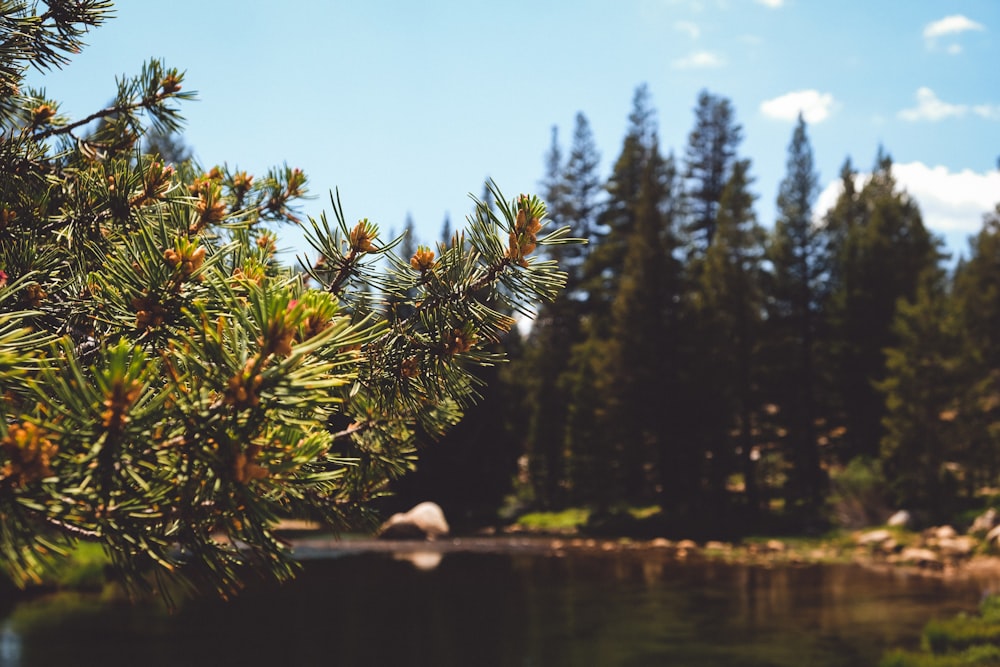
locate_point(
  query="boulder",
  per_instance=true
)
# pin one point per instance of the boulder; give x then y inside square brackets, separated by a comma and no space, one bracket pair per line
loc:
[961,545]
[922,557]
[984,523]
[937,533]
[901,519]
[424,522]
[776,546]
[992,538]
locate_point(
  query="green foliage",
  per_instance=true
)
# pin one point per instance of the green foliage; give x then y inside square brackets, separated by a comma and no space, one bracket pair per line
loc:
[961,640]
[793,338]
[960,633]
[568,519]
[859,493]
[726,372]
[711,152]
[562,458]
[920,402]
[882,252]
[730,301]
[171,390]
[986,655]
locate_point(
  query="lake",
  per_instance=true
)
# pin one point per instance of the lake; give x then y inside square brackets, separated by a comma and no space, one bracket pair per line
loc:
[506,608]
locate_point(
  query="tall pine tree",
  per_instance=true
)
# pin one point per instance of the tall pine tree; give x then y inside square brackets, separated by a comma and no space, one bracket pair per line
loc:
[617,217]
[559,466]
[922,375]
[885,249]
[798,256]
[977,297]
[731,304]
[644,344]
[711,151]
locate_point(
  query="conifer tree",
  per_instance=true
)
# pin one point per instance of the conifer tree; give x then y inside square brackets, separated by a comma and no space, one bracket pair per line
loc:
[976,294]
[798,255]
[645,341]
[922,376]
[581,188]
[731,301]
[884,251]
[170,390]
[711,151]
[561,458]
[617,216]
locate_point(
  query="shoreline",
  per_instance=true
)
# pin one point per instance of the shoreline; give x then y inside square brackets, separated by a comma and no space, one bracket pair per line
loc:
[770,553]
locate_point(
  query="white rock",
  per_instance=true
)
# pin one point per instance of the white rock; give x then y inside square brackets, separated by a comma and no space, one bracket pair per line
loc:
[944,532]
[424,522]
[901,519]
[919,556]
[985,522]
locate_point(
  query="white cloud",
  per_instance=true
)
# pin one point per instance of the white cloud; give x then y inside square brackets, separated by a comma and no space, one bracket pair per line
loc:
[950,201]
[951,25]
[689,27]
[814,106]
[773,4]
[930,107]
[987,111]
[699,60]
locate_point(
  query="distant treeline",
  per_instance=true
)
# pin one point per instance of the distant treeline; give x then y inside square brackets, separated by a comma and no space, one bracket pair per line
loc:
[726,369]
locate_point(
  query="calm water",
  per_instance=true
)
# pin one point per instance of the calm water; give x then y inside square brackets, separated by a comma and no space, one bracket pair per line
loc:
[506,610]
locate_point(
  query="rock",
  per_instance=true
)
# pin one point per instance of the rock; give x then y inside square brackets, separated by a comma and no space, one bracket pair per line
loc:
[985,522]
[901,519]
[992,538]
[874,537]
[424,522]
[961,545]
[915,556]
[942,533]
[776,546]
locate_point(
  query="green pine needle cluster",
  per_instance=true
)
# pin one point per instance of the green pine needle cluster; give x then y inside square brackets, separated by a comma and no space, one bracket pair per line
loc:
[170,390]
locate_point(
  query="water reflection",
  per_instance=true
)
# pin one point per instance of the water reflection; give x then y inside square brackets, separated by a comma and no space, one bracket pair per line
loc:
[422,560]
[506,610]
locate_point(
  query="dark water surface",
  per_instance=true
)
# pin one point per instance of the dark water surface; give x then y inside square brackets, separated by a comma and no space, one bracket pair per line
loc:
[482,609]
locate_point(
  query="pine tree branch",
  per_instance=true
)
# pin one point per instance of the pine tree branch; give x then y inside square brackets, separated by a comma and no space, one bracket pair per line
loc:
[144,103]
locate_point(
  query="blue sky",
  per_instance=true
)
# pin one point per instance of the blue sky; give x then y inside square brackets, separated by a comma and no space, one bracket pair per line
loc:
[407,107]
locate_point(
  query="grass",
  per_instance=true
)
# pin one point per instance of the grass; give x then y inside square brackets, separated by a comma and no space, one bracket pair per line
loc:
[956,642]
[567,520]
[573,518]
[986,655]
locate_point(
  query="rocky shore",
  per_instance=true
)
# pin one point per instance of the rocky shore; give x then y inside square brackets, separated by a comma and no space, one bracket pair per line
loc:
[938,552]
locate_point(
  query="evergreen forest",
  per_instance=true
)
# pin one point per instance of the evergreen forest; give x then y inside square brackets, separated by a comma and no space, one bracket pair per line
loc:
[730,373]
